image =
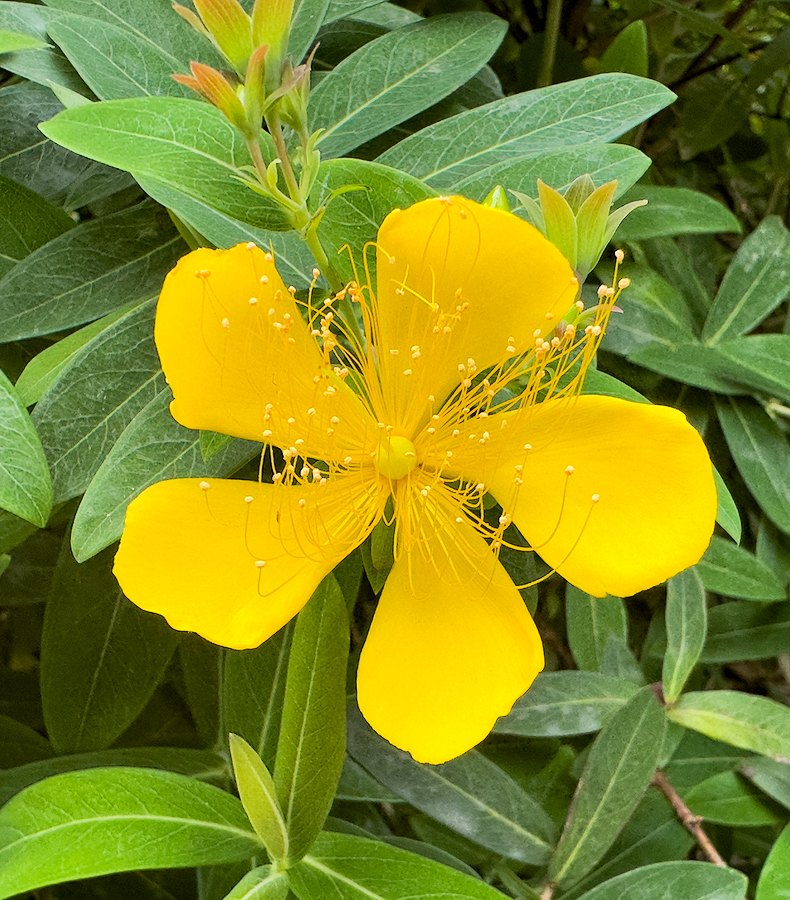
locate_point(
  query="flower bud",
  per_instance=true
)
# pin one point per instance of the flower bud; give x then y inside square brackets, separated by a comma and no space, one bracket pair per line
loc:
[230,28]
[271,26]
[217,90]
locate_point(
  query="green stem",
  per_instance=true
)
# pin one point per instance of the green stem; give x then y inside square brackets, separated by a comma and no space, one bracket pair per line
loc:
[550,38]
[276,131]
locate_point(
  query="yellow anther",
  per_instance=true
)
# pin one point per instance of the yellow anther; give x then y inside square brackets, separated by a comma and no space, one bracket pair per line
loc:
[204,485]
[248,499]
[264,279]
[569,470]
[226,324]
[260,563]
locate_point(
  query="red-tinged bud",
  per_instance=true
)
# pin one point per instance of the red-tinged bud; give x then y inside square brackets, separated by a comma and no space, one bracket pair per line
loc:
[295,92]
[231,29]
[217,90]
[255,88]
[271,25]
[193,20]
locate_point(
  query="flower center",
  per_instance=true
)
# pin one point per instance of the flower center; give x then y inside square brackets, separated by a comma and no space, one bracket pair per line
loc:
[395,457]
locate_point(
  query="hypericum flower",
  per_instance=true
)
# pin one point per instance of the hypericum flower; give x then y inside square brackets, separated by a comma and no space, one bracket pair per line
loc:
[467,384]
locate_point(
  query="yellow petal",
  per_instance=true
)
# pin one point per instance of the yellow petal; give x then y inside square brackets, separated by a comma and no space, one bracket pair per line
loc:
[241,360]
[451,647]
[192,553]
[651,475]
[459,281]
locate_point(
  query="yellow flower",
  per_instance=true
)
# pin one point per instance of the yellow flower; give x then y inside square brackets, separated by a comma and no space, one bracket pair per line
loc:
[615,496]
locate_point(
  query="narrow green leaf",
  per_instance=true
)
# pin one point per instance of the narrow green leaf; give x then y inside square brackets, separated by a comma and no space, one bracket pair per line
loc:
[729,799]
[743,720]
[253,687]
[471,795]
[773,778]
[101,657]
[342,9]
[25,483]
[306,19]
[348,867]
[185,144]
[202,665]
[83,413]
[262,883]
[687,361]
[754,285]
[146,819]
[89,271]
[743,630]
[730,570]
[256,790]
[712,110]
[28,222]
[762,455]
[152,448]
[11,41]
[44,368]
[727,514]
[773,878]
[197,764]
[686,880]
[674,210]
[686,621]
[588,110]
[115,62]
[21,744]
[759,361]
[560,703]
[591,621]
[358,784]
[398,75]
[621,763]
[312,739]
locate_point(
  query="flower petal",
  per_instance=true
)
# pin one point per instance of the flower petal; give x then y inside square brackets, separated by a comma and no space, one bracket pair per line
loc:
[459,281]
[190,552]
[241,360]
[451,647]
[652,476]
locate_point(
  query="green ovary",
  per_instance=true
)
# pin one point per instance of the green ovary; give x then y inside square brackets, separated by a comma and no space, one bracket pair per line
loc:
[395,457]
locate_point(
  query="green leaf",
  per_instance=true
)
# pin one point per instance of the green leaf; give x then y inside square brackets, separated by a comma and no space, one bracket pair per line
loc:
[28,222]
[743,720]
[754,285]
[185,144]
[762,455]
[746,630]
[627,52]
[685,880]
[84,412]
[398,75]
[306,19]
[591,621]
[256,790]
[342,9]
[86,273]
[115,62]
[202,665]
[773,778]
[101,657]
[313,732]
[759,361]
[27,157]
[253,688]
[603,162]
[262,883]
[348,867]
[727,514]
[686,622]
[294,260]
[471,795]
[537,122]
[728,799]
[354,217]
[730,570]
[200,764]
[20,744]
[152,448]
[773,878]
[621,763]
[25,483]
[673,210]
[43,369]
[146,819]
[712,110]
[688,362]
[357,783]
[560,703]
[653,313]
